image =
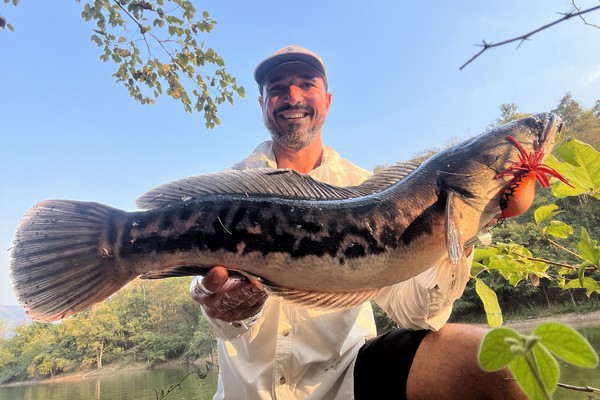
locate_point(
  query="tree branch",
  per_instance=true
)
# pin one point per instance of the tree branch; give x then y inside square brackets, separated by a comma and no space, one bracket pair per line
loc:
[580,16]
[486,46]
[587,389]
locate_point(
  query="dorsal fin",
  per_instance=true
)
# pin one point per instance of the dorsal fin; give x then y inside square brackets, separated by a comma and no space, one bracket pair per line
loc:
[260,181]
[269,182]
[386,178]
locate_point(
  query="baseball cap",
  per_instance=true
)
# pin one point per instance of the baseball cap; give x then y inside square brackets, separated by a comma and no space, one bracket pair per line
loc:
[289,54]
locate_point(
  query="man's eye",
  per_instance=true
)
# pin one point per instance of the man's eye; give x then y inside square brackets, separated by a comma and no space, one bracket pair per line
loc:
[276,89]
[308,85]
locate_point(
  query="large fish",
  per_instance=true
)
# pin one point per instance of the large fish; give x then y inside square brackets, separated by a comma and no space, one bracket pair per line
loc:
[308,242]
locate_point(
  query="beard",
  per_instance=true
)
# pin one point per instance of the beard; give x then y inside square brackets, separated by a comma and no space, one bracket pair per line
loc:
[294,136]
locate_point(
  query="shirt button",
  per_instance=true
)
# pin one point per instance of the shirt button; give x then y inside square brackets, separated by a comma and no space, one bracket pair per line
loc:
[285,332]
[282,380]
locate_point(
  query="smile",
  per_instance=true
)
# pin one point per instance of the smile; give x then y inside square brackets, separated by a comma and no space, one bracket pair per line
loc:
[294,115]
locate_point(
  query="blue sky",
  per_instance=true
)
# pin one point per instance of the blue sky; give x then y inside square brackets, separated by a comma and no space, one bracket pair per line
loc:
[69,131]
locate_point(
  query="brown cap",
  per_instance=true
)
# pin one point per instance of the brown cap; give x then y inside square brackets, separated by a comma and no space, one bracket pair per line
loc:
[289,54]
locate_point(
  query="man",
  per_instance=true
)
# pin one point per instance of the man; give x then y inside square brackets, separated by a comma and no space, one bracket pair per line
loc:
[272,350]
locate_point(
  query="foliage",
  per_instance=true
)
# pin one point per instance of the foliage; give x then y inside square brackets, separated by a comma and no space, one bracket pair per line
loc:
[3,22]
[508,112]
[382,321]
[530,358]
[169,28]
[158,49]
[147,321]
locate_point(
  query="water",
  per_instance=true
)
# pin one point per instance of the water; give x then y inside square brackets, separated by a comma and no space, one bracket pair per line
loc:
[125,385]
[579,376]
[139,385]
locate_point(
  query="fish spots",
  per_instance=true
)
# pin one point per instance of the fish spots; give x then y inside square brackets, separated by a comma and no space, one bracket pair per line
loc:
[423,225]
[354,250]
[262,227]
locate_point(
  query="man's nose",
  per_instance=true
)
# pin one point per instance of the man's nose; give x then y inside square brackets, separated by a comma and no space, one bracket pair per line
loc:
[294,94]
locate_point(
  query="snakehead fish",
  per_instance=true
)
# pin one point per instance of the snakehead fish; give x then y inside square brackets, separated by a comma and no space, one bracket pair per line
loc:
[308,242]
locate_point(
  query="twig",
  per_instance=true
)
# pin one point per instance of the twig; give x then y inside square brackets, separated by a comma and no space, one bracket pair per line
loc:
[583,19]
[587,389]
[534,259]
[485,46]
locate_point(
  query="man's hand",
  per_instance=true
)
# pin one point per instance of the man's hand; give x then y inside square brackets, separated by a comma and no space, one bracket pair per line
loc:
[225,298]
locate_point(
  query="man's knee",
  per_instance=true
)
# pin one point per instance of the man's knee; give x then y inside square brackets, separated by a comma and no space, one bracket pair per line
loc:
[446,366]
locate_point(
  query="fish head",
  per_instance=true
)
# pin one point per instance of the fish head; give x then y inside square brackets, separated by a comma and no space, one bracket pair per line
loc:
[473,169]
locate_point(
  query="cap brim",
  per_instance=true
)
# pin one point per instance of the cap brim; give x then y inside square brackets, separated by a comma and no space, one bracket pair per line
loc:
[267,65]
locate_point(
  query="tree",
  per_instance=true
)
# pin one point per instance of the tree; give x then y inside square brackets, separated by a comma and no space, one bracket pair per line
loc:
[156,47]
[508,113]
[568,109]
[96,332]
[596,109]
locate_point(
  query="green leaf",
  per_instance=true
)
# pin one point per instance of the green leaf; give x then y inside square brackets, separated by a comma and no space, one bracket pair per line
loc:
[580,166]
[558,229]
[495,351]
[545,212]
[567,344]
[589,284]
[490,303]
[589,248]
[96,40]
[547,366]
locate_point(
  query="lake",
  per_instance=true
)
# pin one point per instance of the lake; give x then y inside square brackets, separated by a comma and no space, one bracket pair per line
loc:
[126,385]
[139,384]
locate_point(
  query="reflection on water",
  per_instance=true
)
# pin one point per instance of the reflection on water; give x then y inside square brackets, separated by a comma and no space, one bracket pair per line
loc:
[134,385]
[126,385]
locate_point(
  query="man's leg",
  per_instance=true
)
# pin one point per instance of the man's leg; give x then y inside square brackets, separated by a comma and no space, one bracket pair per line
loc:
[445,367]
[383,364]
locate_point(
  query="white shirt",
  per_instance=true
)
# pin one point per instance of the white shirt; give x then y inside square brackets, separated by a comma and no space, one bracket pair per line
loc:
[289,352]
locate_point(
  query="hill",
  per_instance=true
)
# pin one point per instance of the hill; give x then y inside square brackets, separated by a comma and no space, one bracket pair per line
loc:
[11,317]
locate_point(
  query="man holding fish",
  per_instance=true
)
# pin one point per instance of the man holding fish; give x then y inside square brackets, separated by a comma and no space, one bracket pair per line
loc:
[272,349]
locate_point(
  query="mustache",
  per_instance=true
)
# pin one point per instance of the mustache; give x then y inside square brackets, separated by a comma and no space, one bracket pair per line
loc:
[308,109]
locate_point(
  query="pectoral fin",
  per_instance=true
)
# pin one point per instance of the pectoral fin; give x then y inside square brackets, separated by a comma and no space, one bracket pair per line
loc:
[454,239]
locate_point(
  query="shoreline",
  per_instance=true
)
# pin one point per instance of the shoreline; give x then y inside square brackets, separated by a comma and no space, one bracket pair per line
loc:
[575,320]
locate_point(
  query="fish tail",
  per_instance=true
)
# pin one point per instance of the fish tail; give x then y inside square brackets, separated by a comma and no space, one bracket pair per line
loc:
[62,259]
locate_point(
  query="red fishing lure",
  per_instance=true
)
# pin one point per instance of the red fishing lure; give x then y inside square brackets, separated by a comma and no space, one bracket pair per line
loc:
[518,196]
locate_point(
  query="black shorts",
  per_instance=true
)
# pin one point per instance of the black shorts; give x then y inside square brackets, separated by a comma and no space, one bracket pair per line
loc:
[383,363]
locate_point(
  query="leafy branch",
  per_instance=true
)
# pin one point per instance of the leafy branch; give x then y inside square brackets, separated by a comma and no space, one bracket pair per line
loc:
[486,46]
[3,22]
[189,73]
[531,359]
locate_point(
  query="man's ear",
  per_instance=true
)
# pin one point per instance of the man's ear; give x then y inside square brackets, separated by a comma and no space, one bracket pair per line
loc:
[328,94]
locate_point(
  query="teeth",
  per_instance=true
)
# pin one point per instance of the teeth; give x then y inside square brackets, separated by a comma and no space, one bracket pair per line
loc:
[292,116]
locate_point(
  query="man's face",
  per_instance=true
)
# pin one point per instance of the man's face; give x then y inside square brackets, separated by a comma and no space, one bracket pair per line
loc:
[294,103]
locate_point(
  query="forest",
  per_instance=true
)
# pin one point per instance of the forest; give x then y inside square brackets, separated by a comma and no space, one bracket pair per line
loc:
[152,322]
